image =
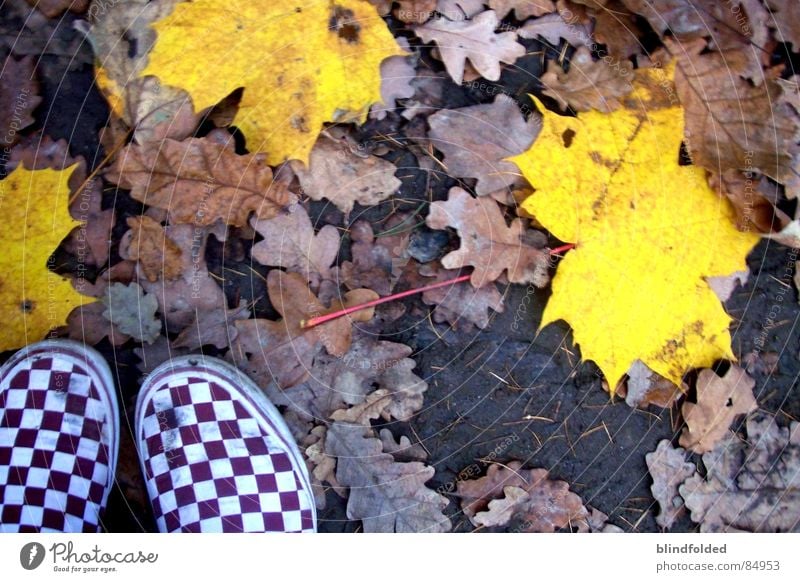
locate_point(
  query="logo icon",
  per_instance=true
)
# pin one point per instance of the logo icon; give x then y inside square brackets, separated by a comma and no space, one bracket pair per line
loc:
[31,555]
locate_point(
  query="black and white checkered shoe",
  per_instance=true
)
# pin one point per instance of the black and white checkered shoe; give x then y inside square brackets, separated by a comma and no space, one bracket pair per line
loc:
[59,438]
[216,454]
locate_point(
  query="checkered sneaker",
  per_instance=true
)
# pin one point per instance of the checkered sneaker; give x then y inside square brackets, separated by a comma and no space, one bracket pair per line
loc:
[216,454]
[59,435]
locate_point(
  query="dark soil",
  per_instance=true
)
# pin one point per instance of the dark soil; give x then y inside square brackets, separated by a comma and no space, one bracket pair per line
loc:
[483,383]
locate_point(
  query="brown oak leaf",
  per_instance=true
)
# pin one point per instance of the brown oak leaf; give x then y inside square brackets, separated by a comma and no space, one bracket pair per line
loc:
[345,177]
[487,243]
[786,21]
[157,255]
[645,387]
[749,485]
[476,141]
[719,401]
[460,304]
[507,491]
[669,469]
[53,8]
[215,328]
[290,242]
[553,28]
[397,72]
[588,84]
[523,9]
[282,350]
[19,96]
[731,123]
[475,40]
[375,260]
[385,495]
[402,449]
[199,181]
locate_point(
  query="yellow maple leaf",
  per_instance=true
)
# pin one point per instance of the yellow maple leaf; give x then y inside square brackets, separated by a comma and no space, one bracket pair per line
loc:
[35,219]
[301,64]
[647,232]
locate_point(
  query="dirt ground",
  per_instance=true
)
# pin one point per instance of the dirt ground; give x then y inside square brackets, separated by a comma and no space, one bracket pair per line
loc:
[484,384]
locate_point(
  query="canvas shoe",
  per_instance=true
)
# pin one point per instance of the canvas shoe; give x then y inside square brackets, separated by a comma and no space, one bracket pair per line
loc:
[59,438]
[216,454]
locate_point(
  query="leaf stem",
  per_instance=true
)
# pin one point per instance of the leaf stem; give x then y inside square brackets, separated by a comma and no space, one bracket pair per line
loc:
[314,321]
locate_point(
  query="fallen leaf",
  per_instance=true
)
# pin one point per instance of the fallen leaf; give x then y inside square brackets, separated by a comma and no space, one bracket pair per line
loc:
[459,9]
[19,96]
[195,291]
[281,350]
[508,491]
[603,182]
[385,495]
[155,354]
[397,72]
[402,449]
[476,141]
[523,9]
[53,8]
[337,173]
[306,55]
[374,263]
[731,123]
[750,198]
[645,388]
[724,287]
[146,242]
[86,323]
[414,11]
[487,243]
[199,181]
[616,27]
[290,242]
[719,401]
[669,469]
[786,21]
[588,84]
[121,36]
[460,304]
[552,28]
[749,485]
[475,40]
[215,328]
[35,219]
[336,383]
[132,311]
[762,363]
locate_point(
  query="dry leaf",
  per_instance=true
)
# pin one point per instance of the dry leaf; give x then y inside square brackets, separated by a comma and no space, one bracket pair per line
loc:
[397,72]
[553,28]
[199,181]
[132,311]
[290,242]
[19,96]
[645,388]
[375,260]
[487,243]
[403,449]
[414,11]
[786,21]
[475,40]
[602,182]
[337,173]
[476,141]
[158,256]
[459,9]
[53,8]
[195,291]
[305,59]
[281,350]
[731,123]
[385,495]
[523,9]
[508,491]
[86,323]
[588,84]
[459,304]
[669,469]
[749,485]
[121,36]
[216,328]
[719,401]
